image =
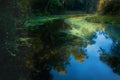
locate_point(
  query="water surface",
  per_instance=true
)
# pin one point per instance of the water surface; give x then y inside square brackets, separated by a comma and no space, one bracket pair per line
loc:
[73,49]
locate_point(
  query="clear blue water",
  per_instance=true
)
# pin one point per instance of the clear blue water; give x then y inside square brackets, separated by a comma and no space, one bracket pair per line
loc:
[91,68]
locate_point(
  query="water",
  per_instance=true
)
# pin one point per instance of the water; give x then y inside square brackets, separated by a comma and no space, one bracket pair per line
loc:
[92,68]
[76,50]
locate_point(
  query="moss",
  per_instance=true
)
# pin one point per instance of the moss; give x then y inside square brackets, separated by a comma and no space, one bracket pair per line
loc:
[104,19]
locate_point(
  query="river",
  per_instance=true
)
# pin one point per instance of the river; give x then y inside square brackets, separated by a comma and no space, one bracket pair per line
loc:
[74,49]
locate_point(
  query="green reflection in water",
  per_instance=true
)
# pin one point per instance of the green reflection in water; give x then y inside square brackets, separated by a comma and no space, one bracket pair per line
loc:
[81,28]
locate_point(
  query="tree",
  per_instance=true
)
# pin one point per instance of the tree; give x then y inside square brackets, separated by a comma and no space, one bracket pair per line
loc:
[112,7]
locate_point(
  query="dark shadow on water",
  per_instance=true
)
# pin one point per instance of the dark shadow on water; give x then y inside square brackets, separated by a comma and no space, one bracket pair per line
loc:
[47,50]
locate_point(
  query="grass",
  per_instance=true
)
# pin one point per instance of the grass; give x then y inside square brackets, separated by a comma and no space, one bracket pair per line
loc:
[104,19]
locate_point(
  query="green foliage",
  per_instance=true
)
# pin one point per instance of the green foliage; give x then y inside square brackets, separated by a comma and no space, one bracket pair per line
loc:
[74,4]
[40,7]
[24,7]
[55,7]
[37,6]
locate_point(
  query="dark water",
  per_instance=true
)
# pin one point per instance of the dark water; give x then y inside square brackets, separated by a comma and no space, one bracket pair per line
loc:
[58,55]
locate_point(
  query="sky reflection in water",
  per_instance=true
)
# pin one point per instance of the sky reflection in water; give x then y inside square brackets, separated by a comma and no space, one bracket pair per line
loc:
[92,68]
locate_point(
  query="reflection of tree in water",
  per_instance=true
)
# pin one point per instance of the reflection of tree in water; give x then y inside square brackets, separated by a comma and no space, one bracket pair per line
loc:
[50,50]
[47,40]
[78,53]
[112,59]
[113,31]
[50,33]
[47,59]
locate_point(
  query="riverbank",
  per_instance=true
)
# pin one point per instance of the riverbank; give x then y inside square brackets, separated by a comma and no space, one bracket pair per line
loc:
[105,19]
[39,20]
